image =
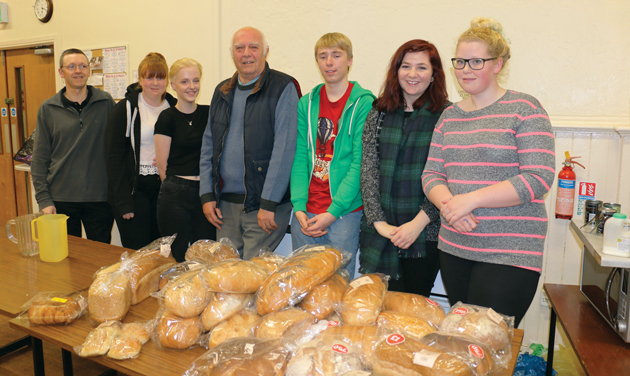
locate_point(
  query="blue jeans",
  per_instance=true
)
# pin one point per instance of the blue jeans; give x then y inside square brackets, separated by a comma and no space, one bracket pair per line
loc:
[342,233]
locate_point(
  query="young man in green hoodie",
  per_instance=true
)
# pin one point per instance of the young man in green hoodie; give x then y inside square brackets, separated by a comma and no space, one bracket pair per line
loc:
[325,178]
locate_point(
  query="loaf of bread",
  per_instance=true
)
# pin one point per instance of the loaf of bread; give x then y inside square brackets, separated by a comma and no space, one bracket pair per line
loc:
[137,330]
[298,275]
[276,324]
[268,260]
[109,297]
[178,333]
[99,340]
[414,305]
[149,282]
[247,357]
[210,252]
[176,271]
[125,347]
[222,306]
[50,308]
[188,295]
[362,301]
[396,321]
[321,301]
[481,323]
[323,357]
[476,355]
[361,337]
[239,325]
[235,276]
[399,355]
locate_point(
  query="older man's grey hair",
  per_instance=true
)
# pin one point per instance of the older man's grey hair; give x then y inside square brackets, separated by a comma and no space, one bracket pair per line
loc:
[264,40]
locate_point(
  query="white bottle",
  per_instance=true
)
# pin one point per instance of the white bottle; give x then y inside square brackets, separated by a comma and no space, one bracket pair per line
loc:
[617,236]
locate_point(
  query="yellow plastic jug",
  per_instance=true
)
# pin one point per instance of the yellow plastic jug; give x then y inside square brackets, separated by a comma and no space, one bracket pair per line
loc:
[51,231]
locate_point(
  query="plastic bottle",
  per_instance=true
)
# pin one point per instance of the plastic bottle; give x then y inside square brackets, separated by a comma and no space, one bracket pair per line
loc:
[617,236]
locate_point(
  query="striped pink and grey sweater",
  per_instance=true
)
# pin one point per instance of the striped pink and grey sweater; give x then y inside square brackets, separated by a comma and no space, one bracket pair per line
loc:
[508,140]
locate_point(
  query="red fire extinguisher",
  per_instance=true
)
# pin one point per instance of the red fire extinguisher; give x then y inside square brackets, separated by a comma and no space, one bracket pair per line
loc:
[566,188]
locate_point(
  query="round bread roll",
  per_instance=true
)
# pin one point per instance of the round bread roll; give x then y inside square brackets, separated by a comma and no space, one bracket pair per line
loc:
[239,325]
[475,322]
[235,276]
[188,295]
[222,306]
[297,276]
[276,324]
[321,301]
[395,359]
[474,353]
[361,303]
[210,252]
[403,322]
[109,297]
[178,333]
[414,305]
[125,347]
[136,330]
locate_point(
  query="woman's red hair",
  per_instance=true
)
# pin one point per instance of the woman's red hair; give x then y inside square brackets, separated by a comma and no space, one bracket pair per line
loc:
[391,98]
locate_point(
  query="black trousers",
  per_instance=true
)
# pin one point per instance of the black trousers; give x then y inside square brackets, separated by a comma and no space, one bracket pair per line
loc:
[97,219]
[418,274]
[180,212]
[506,289]
[142,229]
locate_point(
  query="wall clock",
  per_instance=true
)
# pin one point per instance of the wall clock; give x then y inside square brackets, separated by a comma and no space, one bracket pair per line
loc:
[43,10]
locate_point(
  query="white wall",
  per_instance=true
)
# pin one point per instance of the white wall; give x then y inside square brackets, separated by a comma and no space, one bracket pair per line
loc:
[571,54]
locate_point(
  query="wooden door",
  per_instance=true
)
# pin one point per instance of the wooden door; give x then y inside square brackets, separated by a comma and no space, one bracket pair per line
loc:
[29,79]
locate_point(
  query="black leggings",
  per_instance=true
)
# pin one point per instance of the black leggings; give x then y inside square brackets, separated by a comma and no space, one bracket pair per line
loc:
[506,289]
[418,274]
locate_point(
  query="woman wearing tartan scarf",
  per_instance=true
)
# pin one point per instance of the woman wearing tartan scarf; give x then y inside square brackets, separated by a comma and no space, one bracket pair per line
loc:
[400,225]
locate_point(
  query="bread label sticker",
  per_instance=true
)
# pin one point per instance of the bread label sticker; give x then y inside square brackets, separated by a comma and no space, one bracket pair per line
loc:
[248,349]
[165,250]
[476,351]
[339,348]
[313,249]
[365,280]
[460,311]
[425,358]
[333,323]
[83,303]
[494,316]
[59,300]
[395,339]
[432,302]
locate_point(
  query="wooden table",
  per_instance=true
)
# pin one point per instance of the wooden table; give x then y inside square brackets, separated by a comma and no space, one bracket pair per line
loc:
[600,350]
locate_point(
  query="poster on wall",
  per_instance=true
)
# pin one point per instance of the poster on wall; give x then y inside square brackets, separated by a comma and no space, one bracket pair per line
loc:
[109,71]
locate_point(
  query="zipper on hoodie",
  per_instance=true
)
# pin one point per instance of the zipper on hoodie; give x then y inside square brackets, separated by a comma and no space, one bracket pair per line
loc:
[216,183]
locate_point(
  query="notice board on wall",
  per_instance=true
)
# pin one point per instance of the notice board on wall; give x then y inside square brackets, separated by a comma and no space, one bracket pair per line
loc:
[109,70]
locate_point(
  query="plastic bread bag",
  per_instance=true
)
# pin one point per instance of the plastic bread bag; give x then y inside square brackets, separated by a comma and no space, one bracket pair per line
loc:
[322,299]
[109,297]
[485,325]
[186,296]
[325,357]
[241,324]
[398,353]
[301,271]
[176,271]
[222,306]
[268,260]
[236,276]
[361,337]
[243,357]
[412,325]
[99,340]
[210,252]
[290,322]
[55,307]
[129,343]
[362,301]
[174,332]
[414,305]
[474,353]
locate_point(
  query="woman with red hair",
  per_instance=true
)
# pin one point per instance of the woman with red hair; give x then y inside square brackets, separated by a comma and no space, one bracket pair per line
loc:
[400,225]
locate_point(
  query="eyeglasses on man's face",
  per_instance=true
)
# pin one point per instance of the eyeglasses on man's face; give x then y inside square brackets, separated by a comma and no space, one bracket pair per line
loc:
[72,67]
[474,64]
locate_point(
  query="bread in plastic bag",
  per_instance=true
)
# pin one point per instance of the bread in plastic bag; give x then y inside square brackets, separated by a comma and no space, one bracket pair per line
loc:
[277,324]
[322,299]
[414,305]
[222,306]
[239,325]
[186,296]
[177,270]
[361,337]
[484,324]
[210,252]
[242,357]
[50,308]
[176,332]
[324,357]
[109,297]
[476,355]
[401,321]
[268,260]
[236,276]
[362,301]
[302,270]
[99,340]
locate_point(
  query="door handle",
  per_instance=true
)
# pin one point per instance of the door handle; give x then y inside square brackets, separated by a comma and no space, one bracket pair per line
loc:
[7,139]
[14,138]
